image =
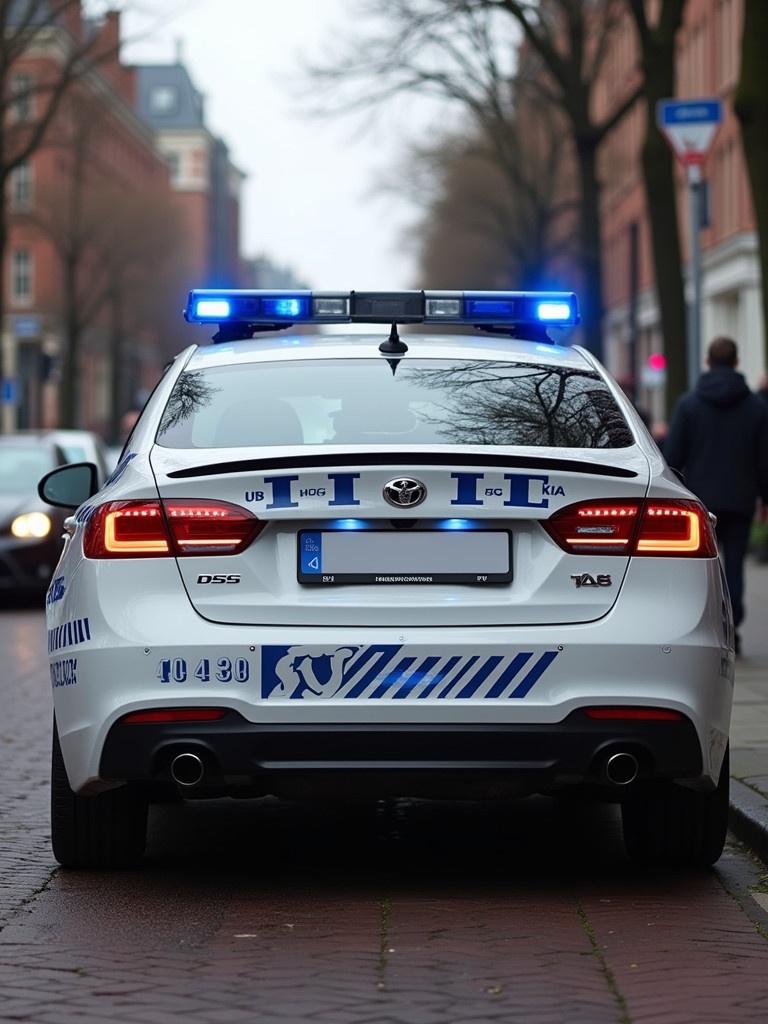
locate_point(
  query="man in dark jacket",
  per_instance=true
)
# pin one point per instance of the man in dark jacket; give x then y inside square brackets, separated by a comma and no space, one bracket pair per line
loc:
[718,440]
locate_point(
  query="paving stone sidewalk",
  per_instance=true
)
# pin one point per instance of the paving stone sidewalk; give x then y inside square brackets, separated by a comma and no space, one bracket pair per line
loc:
[749,726]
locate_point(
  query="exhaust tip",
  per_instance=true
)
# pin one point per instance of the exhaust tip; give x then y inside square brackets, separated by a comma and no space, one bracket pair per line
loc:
[187,769]
[621,768]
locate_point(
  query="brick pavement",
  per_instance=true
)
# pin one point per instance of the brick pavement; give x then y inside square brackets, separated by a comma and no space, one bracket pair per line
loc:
[417,913]
[749,727]
[26,863]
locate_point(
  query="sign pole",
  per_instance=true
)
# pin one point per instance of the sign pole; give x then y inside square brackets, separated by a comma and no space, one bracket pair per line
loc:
[694,311]
[690,127]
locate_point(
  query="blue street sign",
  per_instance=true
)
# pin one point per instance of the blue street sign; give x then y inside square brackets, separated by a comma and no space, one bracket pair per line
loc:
[27,326]
[674,112]
[9,391]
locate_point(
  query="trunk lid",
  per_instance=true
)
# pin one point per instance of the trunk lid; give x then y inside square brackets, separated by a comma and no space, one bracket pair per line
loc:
[468,488]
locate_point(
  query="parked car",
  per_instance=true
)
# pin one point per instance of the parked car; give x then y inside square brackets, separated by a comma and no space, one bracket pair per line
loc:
[30,531]
[83,446]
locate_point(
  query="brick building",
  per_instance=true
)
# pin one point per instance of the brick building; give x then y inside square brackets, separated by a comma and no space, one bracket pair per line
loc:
[206,184]
[708,65]
[124,155]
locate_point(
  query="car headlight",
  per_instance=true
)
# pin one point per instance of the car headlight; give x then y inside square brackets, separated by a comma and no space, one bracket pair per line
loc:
[31,525]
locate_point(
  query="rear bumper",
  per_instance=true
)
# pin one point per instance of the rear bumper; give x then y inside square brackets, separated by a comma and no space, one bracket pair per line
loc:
[400,759]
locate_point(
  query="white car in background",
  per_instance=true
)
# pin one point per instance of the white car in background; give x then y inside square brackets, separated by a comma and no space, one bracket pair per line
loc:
[343,564]
[82,446]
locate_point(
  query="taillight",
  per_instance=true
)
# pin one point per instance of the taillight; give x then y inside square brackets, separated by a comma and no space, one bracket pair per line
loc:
[658,527]
[151,529]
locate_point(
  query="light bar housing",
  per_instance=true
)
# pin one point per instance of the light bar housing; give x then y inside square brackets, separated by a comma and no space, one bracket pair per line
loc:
[269,308]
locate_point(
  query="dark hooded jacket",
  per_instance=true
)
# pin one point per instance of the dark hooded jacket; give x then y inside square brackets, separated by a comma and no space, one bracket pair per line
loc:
[718,440]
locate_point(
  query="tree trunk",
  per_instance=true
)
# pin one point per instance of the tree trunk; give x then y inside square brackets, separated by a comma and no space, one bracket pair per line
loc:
[751,105]
[660,201]
[69,395]
[591,247]
[116,388]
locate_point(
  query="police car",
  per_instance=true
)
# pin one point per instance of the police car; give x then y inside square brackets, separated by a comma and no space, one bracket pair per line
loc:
[394,563]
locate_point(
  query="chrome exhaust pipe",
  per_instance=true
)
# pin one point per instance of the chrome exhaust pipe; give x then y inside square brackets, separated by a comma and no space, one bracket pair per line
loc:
[621,768]
[187,769]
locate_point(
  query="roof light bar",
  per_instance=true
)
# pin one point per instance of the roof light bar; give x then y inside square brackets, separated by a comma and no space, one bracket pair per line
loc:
[262,308]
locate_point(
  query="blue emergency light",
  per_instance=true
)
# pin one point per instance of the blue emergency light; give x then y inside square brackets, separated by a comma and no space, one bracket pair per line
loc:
[251,310]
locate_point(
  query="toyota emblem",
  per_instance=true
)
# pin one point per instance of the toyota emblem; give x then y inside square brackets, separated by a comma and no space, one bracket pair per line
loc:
[404,492]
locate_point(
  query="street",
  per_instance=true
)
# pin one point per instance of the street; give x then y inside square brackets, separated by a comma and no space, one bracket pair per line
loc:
[255,911]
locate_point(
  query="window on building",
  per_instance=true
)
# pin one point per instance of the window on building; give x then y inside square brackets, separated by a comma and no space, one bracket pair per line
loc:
[23,100]
[174,165]
[21,276]
[163,99]
[21,187]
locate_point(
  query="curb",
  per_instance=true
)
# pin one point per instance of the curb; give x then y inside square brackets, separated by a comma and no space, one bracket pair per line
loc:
[748,818]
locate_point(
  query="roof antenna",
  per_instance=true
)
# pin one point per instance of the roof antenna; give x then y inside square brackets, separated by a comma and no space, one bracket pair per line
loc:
[393,346]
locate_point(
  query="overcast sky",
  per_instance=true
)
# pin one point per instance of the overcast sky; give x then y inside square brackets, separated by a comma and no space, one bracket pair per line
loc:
[310,199]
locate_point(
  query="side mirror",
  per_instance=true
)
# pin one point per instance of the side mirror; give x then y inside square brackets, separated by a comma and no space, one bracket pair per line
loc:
[69,486]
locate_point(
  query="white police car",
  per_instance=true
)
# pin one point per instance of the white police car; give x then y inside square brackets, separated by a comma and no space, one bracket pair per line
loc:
[342,564]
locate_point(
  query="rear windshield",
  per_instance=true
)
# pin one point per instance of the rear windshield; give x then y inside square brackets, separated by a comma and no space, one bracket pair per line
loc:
[361,401]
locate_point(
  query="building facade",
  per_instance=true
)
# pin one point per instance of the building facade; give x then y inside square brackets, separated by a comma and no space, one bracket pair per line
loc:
[708,51]
[96,155]
[206,184]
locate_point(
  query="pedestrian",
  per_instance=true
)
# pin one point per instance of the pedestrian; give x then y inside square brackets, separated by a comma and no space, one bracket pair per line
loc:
[718,440]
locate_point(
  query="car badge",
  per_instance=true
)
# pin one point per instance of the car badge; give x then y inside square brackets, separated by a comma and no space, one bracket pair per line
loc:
[404,492]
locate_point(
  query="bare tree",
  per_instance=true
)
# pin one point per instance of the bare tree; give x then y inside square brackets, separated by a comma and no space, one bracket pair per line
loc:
[141,253]
[751,105]
[118,249]
[35,29]
[658,49]
[463,50]
[488,225]
[72,214]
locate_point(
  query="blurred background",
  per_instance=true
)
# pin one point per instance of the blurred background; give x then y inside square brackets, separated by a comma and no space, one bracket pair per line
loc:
[351,144]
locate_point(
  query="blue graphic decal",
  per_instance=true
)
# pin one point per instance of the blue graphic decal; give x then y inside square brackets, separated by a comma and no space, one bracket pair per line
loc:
[388,671]
[344,488]
[281,491]
[55,591]
[69,634]
[120,468]
[84,514]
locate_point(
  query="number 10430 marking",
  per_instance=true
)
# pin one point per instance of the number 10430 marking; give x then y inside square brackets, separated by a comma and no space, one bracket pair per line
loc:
[223,670]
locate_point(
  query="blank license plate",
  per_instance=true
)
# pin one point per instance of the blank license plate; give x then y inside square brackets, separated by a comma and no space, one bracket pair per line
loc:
[397,556]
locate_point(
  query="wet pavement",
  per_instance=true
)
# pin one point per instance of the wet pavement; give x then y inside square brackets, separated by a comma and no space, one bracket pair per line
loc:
[358,914]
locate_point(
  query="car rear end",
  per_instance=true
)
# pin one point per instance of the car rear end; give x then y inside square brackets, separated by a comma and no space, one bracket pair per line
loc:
[271,610]
[344,565]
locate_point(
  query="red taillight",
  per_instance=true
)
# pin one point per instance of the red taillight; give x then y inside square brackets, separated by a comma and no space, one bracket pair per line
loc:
[635,714]
[615,527]
[151,529]
[211,527]
[154,716]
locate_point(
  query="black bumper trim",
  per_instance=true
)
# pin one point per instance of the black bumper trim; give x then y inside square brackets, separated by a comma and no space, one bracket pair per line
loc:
[237,752]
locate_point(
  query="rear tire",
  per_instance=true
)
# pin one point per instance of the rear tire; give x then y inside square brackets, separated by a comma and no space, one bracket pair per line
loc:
[104,831]
[674,826]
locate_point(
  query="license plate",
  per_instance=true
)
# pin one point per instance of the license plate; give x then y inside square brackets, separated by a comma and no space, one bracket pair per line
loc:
[399,556]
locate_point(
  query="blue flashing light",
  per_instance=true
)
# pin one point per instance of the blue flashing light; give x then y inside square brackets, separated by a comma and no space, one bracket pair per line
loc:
[214,309]
[285,307]
[485,308]
[259,309]
[455,524]
[554,312]
[351,524]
